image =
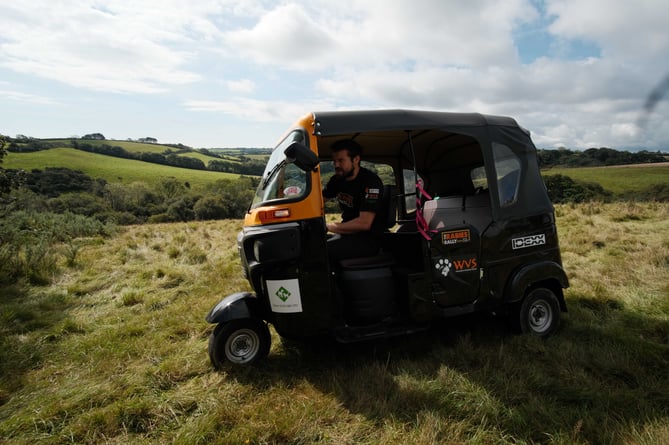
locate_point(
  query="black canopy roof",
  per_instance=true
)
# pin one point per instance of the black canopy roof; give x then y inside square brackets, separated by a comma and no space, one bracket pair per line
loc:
[330,123]
[439,143]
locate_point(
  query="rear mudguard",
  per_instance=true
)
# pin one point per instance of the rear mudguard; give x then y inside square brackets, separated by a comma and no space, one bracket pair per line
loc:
[236,306]
[548,272]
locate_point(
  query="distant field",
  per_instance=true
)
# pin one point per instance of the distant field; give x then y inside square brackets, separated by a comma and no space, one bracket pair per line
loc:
[144,147]
[232,153]
[130,146]
[618,179]
[109,168]
[135,147]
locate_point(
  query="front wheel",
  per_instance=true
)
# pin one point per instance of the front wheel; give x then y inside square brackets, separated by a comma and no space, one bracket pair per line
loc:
[539,313]
[240,342]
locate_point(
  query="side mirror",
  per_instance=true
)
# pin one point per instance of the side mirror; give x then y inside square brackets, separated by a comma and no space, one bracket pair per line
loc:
[301,156]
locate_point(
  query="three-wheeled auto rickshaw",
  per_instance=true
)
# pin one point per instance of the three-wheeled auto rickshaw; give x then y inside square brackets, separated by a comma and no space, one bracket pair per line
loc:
[470,228]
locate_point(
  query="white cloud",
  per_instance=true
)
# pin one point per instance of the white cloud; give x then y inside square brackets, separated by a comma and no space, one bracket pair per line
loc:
[257,110]
[633,29]
[270,61]
[17,96]
[285,36]
[322,35]
[260,110]
[242,86]
[115,48]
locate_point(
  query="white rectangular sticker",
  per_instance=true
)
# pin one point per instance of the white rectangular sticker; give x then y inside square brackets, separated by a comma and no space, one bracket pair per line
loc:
[284,296]
[529,241]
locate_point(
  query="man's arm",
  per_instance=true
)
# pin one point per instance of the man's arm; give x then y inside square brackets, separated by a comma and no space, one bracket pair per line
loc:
[362,223]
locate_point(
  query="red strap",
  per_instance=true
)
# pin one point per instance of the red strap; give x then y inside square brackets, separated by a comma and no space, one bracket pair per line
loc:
[421,223]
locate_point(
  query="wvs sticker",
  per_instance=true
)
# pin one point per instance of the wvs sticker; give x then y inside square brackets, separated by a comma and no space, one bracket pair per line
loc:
[528,241]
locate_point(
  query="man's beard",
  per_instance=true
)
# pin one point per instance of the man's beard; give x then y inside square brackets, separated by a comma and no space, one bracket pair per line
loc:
[343,174]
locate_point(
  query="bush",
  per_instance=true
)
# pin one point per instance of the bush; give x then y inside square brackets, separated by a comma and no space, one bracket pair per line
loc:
[78,203]
[159,218]
[210,207]
[52,181]
[182,209]
[563,189]
[120,218]
[29,246]
[655,192]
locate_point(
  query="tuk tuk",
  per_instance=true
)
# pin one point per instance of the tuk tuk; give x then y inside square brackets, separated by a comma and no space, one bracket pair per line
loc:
[470,227]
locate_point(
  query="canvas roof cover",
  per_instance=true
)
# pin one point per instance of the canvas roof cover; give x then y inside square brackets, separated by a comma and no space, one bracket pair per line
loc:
[433,140]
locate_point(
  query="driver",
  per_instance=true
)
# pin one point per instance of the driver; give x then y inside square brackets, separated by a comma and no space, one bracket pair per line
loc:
[358,192]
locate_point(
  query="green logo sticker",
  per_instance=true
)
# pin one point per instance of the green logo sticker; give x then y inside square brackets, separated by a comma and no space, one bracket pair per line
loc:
[283,294]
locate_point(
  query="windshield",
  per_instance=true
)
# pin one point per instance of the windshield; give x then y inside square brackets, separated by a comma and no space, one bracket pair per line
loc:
[280,179]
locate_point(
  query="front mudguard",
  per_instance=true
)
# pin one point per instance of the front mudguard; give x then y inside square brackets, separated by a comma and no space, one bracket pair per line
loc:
[237,306]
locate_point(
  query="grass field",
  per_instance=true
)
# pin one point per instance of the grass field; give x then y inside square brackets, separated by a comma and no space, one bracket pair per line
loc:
[109,168]
[618,179]
[114,352]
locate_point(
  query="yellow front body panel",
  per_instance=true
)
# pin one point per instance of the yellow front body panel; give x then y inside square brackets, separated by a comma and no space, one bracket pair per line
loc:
[311,206]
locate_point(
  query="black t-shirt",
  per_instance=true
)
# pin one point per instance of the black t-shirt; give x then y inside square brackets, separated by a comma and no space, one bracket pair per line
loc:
[364,194]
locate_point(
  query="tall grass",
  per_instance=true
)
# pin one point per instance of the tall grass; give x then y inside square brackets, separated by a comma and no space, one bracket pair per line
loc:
[31,243]
[114,352]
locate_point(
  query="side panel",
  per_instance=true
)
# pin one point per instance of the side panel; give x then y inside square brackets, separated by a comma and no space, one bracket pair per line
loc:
[454,265]
[290,260]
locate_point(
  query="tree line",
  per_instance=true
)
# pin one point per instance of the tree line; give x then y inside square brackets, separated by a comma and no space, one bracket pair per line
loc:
[596,157]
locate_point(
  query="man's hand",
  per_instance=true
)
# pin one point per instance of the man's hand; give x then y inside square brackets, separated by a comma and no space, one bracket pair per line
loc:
[362,223]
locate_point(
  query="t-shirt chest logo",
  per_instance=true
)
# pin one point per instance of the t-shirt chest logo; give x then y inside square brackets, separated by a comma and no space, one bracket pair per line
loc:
[345,199]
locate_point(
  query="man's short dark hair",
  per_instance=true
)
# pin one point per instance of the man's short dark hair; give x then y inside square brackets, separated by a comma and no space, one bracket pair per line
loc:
[354,149]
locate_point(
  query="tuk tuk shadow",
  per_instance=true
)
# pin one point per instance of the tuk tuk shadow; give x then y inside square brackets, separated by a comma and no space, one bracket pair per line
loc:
[404,378]
[363,375]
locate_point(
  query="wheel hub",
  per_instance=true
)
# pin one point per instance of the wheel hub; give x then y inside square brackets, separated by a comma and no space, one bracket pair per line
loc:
[243,346]
[540,316]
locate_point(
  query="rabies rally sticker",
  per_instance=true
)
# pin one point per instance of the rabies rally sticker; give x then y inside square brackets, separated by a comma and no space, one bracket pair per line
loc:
[456,236]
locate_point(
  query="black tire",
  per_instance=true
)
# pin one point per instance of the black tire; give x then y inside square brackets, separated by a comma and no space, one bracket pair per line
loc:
[239,342]
[539,313]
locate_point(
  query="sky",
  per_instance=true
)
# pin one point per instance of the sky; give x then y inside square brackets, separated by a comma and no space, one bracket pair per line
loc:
[237,73]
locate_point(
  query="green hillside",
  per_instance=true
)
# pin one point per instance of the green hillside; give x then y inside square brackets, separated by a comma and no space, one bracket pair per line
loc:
[109,168]
[141,147]
[203,157]
[130,146]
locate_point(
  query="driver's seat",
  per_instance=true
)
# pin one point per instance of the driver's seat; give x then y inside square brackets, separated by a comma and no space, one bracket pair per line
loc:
[367,282]
[388,211]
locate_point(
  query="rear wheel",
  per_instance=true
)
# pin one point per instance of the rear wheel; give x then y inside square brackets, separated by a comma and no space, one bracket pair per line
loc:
[240,342]
[539,313]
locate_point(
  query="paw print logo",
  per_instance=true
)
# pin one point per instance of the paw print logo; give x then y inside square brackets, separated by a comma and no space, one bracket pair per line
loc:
[443,266]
